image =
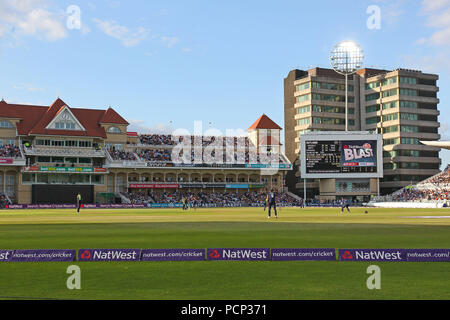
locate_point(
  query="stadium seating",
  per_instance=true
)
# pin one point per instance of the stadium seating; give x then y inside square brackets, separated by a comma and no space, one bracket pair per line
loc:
[10,151]
[214,199]
[435,188]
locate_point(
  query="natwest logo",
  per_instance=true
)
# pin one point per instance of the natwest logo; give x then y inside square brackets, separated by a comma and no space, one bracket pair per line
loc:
[214,254]
[109,254]
[239,254]
[347,255]
[371,255]
[86,255]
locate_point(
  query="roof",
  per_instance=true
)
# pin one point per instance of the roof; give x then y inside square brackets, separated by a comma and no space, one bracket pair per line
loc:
[264,122]
[440,144]
[111,116]
[132,134]
[33,119]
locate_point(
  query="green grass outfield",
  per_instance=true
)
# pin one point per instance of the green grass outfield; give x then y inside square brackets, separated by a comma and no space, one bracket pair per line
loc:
[224,227]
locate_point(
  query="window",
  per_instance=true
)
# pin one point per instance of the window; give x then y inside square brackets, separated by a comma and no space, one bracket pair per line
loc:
[302,86]
[11,142]
[408,92]
[408,80]
[390,117]
[332,97]
[372,85]
[6,124]
[84,144]
[389,93]
[410,141]
[390,105]
[331,86]
[71,143]
[409,129]
[389,81]
[372,96]
[390,129]
[408,104]
[333,121]
[409,116]
[304,121]
[84,160]
[373,108]
[41,142]
[65,125]
[304,97]
[390,141]
[409,153]
[372,120]
[409,165]
[332,109]
[57,143]
[303,109]
[114,130]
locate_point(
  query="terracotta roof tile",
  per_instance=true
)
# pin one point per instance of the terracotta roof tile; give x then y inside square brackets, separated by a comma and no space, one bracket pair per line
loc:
[264,122]
[35,119]
[111,116]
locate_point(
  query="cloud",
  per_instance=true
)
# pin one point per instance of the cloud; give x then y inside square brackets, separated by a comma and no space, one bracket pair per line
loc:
[438,17]
[432,63]
[28,87]
[170,42]
[432,5]
[125,35]
[113,3]
[31,18]
[141,127]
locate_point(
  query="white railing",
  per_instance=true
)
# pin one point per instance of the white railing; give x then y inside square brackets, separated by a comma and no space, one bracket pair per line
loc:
[37,151]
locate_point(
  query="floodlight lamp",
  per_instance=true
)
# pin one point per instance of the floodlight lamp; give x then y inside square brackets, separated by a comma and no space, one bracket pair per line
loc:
[346,57]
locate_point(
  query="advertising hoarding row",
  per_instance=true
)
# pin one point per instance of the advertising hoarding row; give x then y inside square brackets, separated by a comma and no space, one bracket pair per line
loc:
[232,254]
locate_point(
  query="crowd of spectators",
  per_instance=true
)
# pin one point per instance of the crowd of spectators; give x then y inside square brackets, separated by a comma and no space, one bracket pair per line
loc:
[155,155]
[412,194]
[121,155]
[169,140]
[436,188]
[156,139]
[165,155]
[213,199]
[10,151]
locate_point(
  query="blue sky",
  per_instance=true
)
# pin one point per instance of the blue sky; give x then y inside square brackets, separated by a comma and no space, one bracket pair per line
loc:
[217,61]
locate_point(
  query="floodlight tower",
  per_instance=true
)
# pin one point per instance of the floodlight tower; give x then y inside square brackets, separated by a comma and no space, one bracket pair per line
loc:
[346,58]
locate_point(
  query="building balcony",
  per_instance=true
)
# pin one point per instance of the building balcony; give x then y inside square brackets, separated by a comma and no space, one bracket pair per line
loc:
[415,172]
[64,152]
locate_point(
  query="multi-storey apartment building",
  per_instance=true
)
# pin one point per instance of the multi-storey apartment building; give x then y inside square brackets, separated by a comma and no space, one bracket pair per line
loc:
[400,104]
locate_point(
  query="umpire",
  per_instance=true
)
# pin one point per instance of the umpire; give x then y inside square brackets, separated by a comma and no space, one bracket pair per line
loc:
[78,202]
[272,203]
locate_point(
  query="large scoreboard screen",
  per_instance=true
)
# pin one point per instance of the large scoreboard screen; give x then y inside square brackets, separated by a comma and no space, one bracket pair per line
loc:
[345,156]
